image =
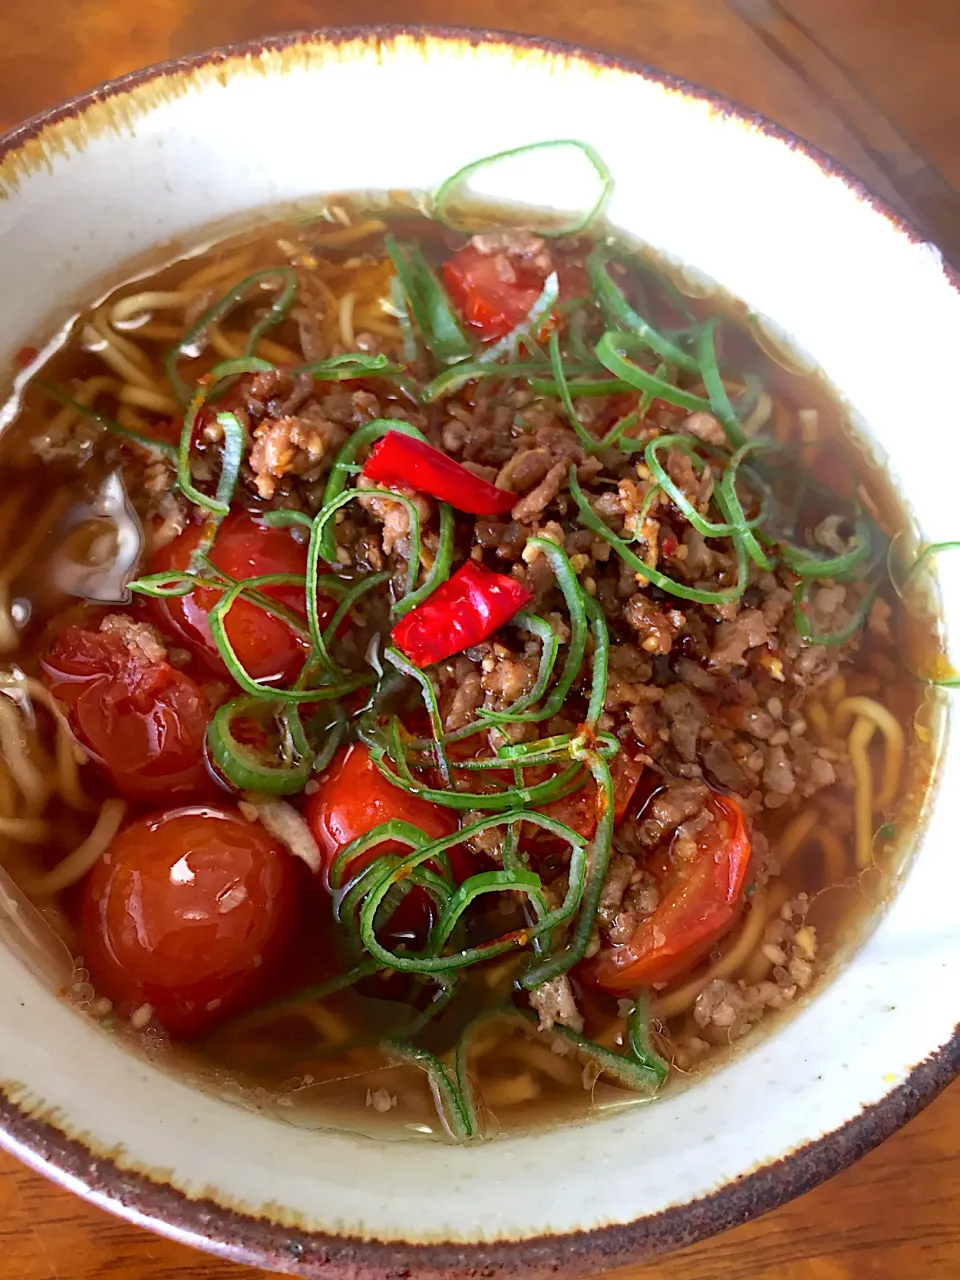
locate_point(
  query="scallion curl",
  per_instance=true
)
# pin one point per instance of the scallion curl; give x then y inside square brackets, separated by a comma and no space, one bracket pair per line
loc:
[618,311]
[447,192]
[279,308]
[590,520]
[346,457]
[242,765]
[719,404]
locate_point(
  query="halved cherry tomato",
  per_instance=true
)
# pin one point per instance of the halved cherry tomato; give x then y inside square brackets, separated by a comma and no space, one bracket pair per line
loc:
[188,911]
[245,547]
[143,721]
[488,302]
[701,898]
[355,797]
[495,292]
[579,810]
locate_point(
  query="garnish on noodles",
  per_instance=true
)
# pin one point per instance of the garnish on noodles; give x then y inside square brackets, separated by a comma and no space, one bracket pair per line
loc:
[446,666]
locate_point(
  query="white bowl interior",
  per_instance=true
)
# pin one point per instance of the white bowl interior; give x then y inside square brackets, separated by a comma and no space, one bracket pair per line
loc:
[763,220]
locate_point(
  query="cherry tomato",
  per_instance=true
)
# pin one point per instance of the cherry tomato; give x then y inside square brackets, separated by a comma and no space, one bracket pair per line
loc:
[488,303]
[700,900]
[143,721]
[492,305]
[579,810]
[355,797]
[245,547]
[188,911]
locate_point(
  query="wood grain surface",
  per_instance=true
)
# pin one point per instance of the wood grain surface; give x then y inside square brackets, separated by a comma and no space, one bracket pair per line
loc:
[896,1214]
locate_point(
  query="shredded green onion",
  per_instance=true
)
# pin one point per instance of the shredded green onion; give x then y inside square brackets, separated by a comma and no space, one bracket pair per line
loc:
[345,459]
[590,520]
[611,352]
[428,304]
[619,312]
[108,424]
[720,404]
[244,767]
[279,308]
[453,192]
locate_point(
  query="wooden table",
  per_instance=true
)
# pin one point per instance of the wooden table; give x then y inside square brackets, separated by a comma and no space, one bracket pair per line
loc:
[896,1214]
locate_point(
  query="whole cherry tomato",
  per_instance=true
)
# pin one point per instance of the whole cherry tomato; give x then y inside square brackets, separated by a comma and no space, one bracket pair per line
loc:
[188,911]
[143,721]
[244,547]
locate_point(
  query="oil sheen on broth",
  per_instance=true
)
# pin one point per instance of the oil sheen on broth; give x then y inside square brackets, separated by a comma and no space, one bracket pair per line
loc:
[674,691]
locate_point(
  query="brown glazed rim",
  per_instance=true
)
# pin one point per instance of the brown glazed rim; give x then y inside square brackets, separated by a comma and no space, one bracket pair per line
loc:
[246,1238]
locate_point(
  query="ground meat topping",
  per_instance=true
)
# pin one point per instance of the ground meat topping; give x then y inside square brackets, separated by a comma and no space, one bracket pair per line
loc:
[671,806]
[291,446]
[537,500]
[393,516]
[732,639]
[142,639]
[554,1002]
[657,628]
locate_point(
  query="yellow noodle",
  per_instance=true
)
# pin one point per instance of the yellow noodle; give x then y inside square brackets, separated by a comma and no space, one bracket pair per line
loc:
[106,347]
[14,748]
[86,395]
[483,1043]
[152,400]
[68,775]
[329,297]
[834,855]
[27,550]
[543,1060]
[760,416]
[795,835]
[8,793]
[330,1025]
[9,636]
[159,332]
[131,420]
[345,318]
[147,302]
[892,731]
[25,830]
[759,965]
[76,865]
[222,344]
[373,324]
[347,235]
[131,350]
[68,771]
[511,1091]
[266,348]
[836,690]
[214,272]
[858,742]
[10,511]
[817,715]
[733,959]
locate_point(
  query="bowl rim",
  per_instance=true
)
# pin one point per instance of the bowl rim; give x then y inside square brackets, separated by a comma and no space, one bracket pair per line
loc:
[254,1240]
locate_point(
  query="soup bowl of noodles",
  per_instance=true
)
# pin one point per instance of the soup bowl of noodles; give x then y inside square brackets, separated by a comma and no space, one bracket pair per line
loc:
[474,778]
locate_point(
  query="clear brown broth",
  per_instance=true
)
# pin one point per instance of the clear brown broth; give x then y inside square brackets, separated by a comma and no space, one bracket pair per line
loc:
[279,1073]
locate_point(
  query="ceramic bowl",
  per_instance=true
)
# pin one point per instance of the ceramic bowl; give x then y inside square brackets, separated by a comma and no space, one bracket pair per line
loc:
[157,156]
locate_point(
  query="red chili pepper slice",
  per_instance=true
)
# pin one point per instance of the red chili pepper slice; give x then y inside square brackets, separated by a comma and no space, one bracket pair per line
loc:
[466,609]
[401,460]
